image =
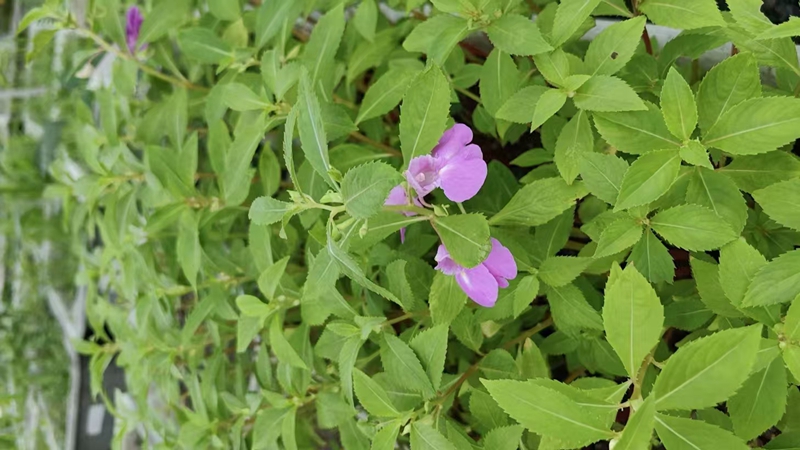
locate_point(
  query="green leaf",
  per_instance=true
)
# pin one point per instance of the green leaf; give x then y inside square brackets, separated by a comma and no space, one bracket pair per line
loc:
[239,97]
[718,193]
[288,146]
[466,237]
[639,430]
[270,278]
[677,105]
[648,178]
[527,289]
[267,210]
[738,264]
[727,84]
[446,299]
[776,282]
[575,141]
[108,16]
[386,437]
[707,277]
[791,328]
[781,202]
[547,412]
[686,434]
[204,46]
[272,17]
[652,259]
[425,437]
[224,9]
[385,94]
[607,93]
[505,438]
[632,317]
[499,80]
[402,365]
[188,246]
[320,51]
[559,271]
[694,153]
[614,47]
[683,14]
[687,314]
[517,35]
[235,180]
[538,203]
[790,28]
[569,17]
[570,310]
[372,396]
[708,370]
[554,66]
[760,402]
[365,188]
[752,173]
[636,132]
[437,36]
[692,227]
[519,108]
[282,348]
[350,268]
[622,234]
[312,131]
[347,362]
[163,18]
[423,114]
[603,174]
[366,19]
[550,102]
[431,348]
[758,125]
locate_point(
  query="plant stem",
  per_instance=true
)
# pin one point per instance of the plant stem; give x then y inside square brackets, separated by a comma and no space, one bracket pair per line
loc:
[360,137]
[468,94]
[648,44]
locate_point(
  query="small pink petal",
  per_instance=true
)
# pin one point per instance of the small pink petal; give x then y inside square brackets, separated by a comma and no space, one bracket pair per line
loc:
[397,196]
[462,179]
[452,141]
[479,285]
[422,174]
[500,262]
[445,264]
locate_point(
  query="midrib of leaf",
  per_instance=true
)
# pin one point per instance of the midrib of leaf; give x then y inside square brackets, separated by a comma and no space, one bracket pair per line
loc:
[422,126]
[402,222]
[650,133]
[383,400]
[311,117]
[410,369]
[624,12]
[760,387]
[361,192]
[322,54]
[385,94]
[211,48]
[565,418]
[676,433]
[667,5]
[630,349]
[614,185]
[680,109]
[750,130]
[708,192]
[700,373]
[727,100]
[454,231]
[578,309]
[650,178]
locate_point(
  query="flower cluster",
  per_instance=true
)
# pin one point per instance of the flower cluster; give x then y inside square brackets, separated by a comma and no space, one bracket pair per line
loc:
[133,24]
[457,167]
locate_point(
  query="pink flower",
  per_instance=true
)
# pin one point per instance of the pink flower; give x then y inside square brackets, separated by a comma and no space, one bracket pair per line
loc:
[454,165]
[399,197]
[482,282]
[133,24]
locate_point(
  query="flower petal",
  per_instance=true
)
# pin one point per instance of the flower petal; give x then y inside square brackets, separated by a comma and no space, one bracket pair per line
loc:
[462,179]
[479,285]
[500,262]
[452,141]
[445,264]
[397,196]
[422,174]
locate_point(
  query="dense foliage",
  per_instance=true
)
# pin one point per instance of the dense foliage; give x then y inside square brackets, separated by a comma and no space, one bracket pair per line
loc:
[290,236]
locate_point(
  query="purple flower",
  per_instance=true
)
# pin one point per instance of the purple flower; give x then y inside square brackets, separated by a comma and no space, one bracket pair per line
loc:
[454,165]
[133,23]
[482,282]
[399,197]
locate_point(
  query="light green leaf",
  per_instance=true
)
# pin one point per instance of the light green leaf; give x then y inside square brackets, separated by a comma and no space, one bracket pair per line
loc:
[622,234]
[781,202]
[527,289]
[239,97]
[554,66]
[692,227]
[365,188]
[752,173]
[747,14]
[606,93]
[372,396]
[466,237]
[648,178]
[632,317]
[385,94]
[708,370]
[683,14]
[288,146]
[575,141]
[446,299]
[350,268]
[550,102]
[366,19]
[603,174]
[570,310]
[517,35]
[425,437]
[727,84]
[688,314]
[347,362]
[694,153]
[437,36]
[519,108]
[760,402]
[569,17]
[320,51]
[677,105]
[561,270]
[235,180]
[505,438]
[539,202]
[776,282]
[312,130]
[678,433]
[758,125]
[163,18]
[423,114]
[267,210]
[614,47]
[652,259]
[639,430]
[790,28]
[270,278]
[188,246]
[403,366]
[707,277]
[718,193]
[431,348]
[386,437]
[636,132]
[271,18]
[791,325]
[547,412]
[204,46]
[499,80]
[224,9]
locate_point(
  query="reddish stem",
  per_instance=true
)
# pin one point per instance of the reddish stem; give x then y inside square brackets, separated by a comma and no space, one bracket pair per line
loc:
[648,45]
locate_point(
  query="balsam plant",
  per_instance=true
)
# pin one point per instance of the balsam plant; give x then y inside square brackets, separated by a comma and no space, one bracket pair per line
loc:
[282,208]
